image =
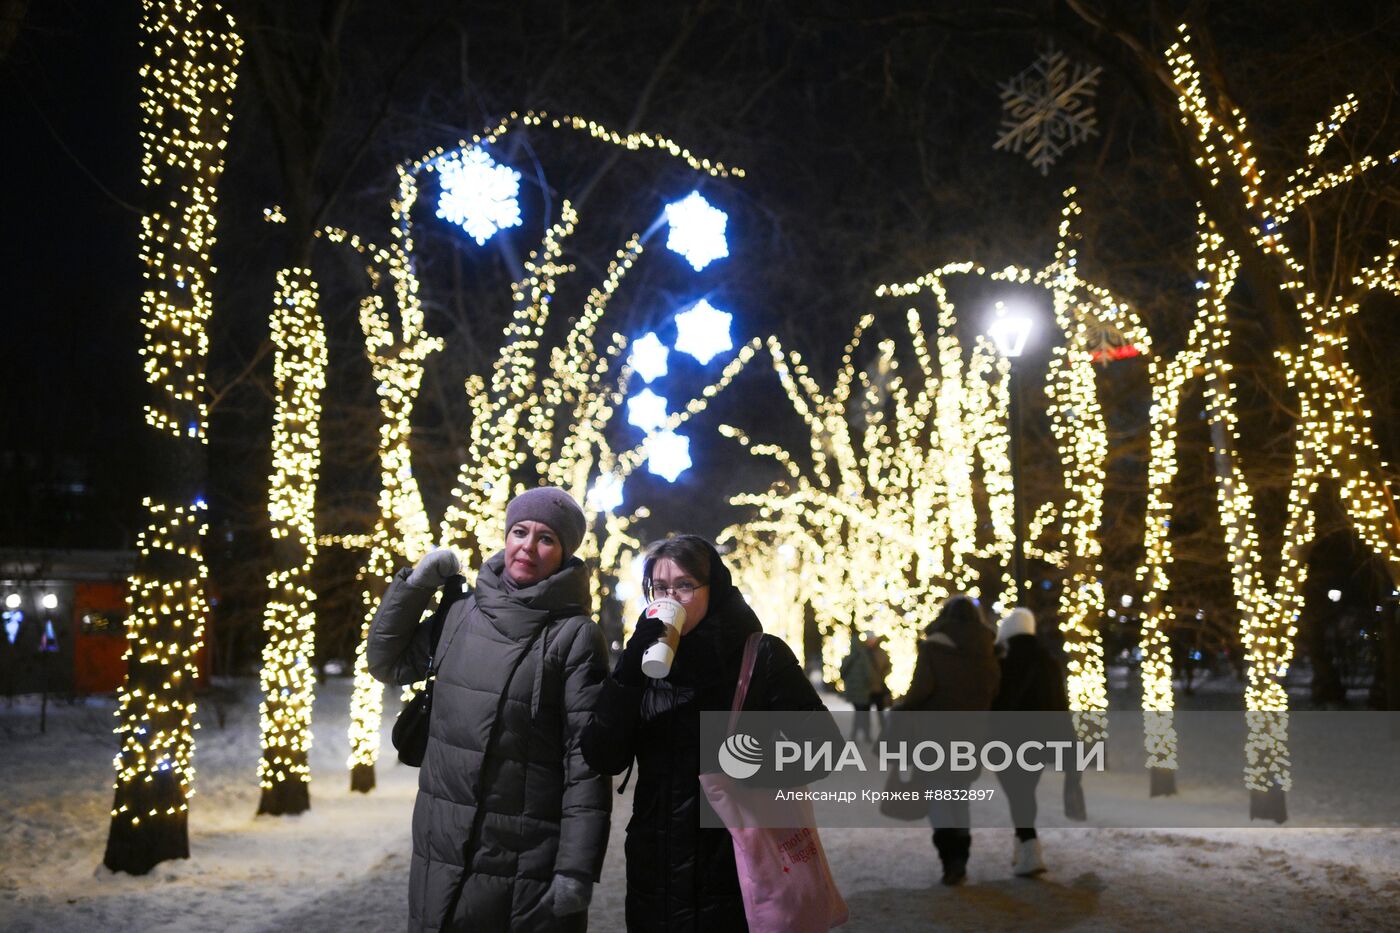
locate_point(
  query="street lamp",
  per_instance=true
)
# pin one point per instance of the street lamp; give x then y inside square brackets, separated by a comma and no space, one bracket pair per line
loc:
[1010,328]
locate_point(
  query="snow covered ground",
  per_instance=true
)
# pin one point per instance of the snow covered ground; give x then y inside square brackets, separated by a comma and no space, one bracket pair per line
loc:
[343,866]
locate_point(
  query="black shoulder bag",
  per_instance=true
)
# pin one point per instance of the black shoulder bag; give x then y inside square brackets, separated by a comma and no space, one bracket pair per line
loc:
[410,734]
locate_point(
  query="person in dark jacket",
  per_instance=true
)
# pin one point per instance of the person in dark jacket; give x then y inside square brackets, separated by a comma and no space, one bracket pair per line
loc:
[858,684]
[880,692]
[681,877]
[1031,681]
[510,824]
[956,669]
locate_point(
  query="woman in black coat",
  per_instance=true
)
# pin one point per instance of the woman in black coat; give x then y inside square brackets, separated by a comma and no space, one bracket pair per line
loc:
[682,876]
[1031,681]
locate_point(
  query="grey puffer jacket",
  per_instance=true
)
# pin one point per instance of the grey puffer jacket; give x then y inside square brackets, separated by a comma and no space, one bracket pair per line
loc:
[505,799]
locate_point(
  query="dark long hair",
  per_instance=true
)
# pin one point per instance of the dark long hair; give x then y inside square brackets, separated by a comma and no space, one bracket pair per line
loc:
[689,552]
[958,608]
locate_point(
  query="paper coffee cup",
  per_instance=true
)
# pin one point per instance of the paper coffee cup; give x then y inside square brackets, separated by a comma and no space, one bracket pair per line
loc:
[656,661]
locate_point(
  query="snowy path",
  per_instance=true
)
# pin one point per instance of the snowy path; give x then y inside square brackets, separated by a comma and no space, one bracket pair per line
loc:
[343,866]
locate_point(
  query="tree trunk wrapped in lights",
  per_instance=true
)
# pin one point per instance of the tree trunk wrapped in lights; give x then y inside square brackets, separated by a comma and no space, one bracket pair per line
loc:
[402,533]
[1076,422]
[288,677]
[1170,379]
[192,52]
[1333,438]
[396,354]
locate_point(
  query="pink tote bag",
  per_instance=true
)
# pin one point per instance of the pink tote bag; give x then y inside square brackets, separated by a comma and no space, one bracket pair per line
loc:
[783,872]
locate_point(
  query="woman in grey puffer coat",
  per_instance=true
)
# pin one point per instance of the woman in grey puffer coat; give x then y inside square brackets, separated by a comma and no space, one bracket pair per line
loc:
[510,824]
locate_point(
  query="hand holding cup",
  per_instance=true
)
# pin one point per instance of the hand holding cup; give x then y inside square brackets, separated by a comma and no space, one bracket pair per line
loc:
[656,662]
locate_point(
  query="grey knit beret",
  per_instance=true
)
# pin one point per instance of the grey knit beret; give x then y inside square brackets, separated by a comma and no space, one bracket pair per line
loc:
[553,507]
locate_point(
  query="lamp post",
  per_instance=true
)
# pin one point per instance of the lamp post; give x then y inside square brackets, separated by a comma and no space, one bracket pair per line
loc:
[1009,330]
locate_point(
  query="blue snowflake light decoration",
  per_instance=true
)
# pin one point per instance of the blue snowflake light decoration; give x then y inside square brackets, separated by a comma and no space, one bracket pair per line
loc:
[648,358]
[697,230]
[703,331]
[668,455]
[646,410]
[477,194]
[606,493]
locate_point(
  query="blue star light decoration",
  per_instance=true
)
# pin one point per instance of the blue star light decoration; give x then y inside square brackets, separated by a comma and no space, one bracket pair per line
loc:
[606,494]
[646,410]
[648,358]
[697,230]
[703,331]
[668,455]
[477,194]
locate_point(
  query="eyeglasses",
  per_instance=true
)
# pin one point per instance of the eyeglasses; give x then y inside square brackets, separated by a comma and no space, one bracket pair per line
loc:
[679,591]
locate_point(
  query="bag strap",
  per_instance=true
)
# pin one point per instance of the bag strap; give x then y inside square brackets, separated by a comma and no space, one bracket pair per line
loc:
[626,777]
[454,589]
[741,691]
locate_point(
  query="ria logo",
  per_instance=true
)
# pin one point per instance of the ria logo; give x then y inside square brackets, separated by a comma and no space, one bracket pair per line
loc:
[740,756]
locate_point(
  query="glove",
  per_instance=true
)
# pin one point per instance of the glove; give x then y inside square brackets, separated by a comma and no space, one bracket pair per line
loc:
[434,569]
[568,895]
[629,666]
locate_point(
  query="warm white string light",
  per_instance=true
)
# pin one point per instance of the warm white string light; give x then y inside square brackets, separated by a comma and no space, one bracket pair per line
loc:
[397,347]
[288,676]
[192,53]
[1082,311]
[872,533]
[1333,437]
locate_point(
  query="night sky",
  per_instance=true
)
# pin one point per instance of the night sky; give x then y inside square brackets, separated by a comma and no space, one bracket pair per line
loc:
[71,320]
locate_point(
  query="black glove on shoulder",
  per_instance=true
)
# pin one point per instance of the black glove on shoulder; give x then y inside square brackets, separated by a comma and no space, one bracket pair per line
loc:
[629,666]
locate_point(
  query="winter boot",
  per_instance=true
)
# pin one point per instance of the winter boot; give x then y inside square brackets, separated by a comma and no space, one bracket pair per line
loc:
[954,846]
[1029,860]
[954,871]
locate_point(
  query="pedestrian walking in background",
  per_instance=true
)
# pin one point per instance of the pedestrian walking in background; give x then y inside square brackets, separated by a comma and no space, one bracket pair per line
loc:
[863,674]
[510,824]
[858,683]
[1031,681]
[879,692]
[682,877]
[956,669]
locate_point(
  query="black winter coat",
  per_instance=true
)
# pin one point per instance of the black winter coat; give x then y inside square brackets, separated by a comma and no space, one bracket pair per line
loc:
[680,876]
[1031,682]
[1031,678]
